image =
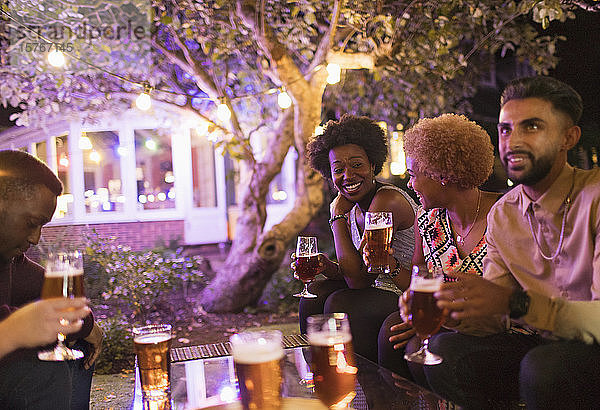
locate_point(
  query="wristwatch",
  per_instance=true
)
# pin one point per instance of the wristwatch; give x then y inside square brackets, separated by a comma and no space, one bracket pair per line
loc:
[518,304]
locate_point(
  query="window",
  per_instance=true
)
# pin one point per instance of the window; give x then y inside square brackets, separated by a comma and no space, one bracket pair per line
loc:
[203,171]
[154,169]
[41,152]
[102,171]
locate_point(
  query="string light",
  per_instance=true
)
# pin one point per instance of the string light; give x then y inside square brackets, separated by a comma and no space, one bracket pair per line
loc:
[223,113]
[56,58]
[284,100]
[334,73]
[144,102]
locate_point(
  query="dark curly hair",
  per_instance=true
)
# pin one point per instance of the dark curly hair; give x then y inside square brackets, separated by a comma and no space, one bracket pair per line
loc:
[350,129]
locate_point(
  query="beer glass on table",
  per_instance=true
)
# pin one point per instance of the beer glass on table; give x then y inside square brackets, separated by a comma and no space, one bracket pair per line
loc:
[63,278]
[257,358]
[307,263]
[425,315]
[332,359]
[379,230]
[151,344]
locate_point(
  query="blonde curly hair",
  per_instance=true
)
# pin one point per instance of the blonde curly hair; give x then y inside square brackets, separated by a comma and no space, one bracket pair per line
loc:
[452,148]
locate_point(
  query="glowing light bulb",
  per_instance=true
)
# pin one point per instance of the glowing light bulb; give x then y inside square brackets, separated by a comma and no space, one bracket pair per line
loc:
[143,102]
[64,161]
[223,113]
[56,58]
[318,130]
[150,144]
[333,73]
[284,100]
[84,143]
[95,157]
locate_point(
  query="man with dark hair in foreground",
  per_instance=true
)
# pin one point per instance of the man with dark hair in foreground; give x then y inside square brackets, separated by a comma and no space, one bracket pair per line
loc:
[28,193]
[542,268]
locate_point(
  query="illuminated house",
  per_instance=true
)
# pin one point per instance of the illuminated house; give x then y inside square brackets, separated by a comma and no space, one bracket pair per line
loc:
[144,179]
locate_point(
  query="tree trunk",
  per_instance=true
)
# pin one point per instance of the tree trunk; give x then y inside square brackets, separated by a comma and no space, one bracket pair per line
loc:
[256,255]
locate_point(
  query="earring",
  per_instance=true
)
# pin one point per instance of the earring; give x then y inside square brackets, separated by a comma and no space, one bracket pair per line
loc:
[443,183]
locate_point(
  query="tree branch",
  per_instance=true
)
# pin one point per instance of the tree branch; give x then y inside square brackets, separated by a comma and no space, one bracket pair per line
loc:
[326,42]
[352,61]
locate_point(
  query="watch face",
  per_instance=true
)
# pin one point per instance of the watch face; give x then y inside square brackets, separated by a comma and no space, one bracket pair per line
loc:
[518,303]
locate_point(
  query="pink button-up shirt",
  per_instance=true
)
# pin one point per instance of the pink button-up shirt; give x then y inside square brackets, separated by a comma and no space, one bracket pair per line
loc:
[564,291]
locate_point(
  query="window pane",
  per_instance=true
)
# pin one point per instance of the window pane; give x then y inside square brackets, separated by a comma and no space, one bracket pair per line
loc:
[101,171]
[203,170]
[64,203]
[154,169]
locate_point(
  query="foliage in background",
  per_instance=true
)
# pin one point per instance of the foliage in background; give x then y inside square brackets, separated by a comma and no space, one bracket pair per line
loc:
[117,346]
[140,284]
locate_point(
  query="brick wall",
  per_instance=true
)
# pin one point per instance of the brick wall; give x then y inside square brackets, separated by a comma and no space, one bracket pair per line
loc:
[137,235]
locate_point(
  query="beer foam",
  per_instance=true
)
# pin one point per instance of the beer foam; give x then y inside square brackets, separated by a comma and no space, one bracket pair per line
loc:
[256,352]
[152,338]
[62,273]
[329,339]
[425,285]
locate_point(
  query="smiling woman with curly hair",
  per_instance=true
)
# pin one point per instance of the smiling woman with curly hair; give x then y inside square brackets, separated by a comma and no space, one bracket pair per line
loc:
[447,158]
[350,153]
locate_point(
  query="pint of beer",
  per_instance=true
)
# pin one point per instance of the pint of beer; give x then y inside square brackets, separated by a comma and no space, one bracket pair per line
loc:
[63,279]
[151,344]
[332,359]
[257,357]
[379,230]
[427,317]
[64,276]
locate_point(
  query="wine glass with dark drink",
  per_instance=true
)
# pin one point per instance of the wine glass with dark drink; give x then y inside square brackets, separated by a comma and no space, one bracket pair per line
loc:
[63,279]
[307,263]
[425,315]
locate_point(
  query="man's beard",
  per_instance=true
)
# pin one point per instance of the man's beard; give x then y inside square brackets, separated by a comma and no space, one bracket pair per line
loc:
[540,168]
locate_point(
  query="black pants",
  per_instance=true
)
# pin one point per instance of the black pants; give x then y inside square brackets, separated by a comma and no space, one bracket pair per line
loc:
[479,372]
[366,308]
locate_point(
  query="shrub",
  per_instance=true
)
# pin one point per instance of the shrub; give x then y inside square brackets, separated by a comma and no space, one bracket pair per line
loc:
[117,346]
[140,284]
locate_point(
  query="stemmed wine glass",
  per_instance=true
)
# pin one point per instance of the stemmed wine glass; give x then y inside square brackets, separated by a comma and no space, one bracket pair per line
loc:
[63,278]
[307,263]
[425,315]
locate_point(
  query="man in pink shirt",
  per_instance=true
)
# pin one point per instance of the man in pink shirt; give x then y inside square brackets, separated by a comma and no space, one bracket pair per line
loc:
[542,269]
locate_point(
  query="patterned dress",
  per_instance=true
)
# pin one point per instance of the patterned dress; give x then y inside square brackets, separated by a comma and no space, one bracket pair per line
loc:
[439,247]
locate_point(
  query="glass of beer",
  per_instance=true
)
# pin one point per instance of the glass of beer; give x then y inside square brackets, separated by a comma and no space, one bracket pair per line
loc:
[379,230]
[151,344]
[257,357]
[332,359]
[307,263]
[63,279]
[425,315]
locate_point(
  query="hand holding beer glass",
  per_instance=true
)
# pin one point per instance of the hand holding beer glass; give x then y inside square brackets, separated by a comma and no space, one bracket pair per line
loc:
[257,357]
[379,230]
[63,278]
[306,263]
[332,359]
[425,315]
[151,344]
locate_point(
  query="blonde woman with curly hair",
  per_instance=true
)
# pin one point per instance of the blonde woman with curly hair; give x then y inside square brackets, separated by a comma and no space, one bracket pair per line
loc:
[448,158]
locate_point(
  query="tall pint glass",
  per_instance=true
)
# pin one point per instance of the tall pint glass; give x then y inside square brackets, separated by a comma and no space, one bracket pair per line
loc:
[379,230]
[257,357]
[151,344]
[426,316]
[332,359]
[63,279]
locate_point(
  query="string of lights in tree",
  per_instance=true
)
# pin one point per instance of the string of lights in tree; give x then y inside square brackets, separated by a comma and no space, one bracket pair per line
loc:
[58,59]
